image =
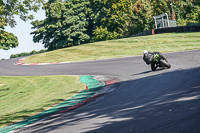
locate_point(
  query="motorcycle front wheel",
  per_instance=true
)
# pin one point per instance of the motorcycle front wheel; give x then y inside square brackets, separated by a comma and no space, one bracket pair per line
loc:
[153,66]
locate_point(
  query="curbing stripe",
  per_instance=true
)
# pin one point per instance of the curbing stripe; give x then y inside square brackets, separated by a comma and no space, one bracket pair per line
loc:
[20,62]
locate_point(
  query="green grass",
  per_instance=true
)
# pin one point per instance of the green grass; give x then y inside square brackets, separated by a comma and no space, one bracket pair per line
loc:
[24,96]
[21,97]
[171,42]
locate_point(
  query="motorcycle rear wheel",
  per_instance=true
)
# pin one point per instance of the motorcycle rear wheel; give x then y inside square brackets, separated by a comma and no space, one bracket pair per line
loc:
[164,63]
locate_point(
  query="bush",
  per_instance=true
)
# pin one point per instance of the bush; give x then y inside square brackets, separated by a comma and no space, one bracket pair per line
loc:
[27,54]
[187,22]
[102,34]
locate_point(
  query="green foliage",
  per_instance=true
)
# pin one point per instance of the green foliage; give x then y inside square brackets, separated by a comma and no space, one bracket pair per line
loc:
[124,18]
[102,34]
[18,7]
[183,22]
[7,40]
[94,16]
[138,18]
[160,7]
[112,20]
[188,12]
[9,8]
[72,22]
[64,26]
[113,12]
[27,54]
[2,18]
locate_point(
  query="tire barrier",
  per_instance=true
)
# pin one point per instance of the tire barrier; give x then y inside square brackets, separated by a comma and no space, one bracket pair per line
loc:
[178,29]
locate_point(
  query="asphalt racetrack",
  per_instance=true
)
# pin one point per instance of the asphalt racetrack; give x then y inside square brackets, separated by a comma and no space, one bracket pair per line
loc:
[164,101]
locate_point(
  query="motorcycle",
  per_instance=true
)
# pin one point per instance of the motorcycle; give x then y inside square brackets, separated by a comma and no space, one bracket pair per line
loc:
[159,61]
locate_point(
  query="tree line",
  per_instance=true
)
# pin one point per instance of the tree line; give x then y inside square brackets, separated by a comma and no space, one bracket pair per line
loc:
[27,53]
[73,22]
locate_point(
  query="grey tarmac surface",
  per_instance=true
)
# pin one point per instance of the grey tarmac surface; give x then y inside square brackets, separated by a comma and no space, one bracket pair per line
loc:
[164,101]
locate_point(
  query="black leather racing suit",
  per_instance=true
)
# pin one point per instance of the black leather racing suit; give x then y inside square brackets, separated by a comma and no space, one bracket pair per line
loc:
[148,58]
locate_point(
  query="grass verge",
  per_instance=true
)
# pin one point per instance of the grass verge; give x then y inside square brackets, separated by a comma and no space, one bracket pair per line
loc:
[171,42]
[25,96]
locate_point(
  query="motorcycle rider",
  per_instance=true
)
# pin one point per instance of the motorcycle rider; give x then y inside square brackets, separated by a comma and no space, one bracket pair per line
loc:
[148,58]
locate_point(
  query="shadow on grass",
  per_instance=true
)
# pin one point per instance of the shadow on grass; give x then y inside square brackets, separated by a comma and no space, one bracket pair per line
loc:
[10,118]
[21,115]
[73,92]
[65,106]
[166,103]
[5,89]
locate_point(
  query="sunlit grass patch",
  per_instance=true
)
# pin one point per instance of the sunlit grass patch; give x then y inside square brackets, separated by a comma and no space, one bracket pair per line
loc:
[24,96]
[170,42]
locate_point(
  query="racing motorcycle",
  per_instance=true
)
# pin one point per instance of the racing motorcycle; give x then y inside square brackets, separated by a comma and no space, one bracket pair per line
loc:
[159,61]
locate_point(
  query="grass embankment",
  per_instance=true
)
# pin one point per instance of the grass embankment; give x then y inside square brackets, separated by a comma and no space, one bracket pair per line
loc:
[171,42]
[21,97]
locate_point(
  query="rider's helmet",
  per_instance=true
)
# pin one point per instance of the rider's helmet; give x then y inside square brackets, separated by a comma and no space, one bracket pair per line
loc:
[145,52]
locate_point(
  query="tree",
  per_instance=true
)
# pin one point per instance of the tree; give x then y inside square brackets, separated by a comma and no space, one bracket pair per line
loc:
[10,8]
[123,18]
[112,20]
[187,12]
[94,16]
[138,18]
[102,34]
[20,8]
[7,40]
[160,6]
[74,22]
[66,24]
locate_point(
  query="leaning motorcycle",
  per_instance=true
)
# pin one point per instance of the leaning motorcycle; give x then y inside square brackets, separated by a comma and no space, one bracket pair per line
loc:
[159,61]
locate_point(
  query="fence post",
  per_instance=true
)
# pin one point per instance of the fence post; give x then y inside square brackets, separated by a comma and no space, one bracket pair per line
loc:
[153,32]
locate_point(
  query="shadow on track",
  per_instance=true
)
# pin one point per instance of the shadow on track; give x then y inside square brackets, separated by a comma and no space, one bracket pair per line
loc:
[159,69]
[168,102]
